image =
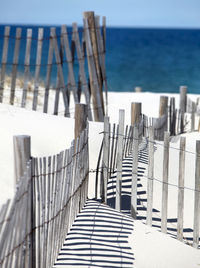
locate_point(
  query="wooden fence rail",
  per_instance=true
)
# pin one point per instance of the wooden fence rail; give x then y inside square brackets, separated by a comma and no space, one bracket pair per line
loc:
[25,86]
[126,142]
[48,197]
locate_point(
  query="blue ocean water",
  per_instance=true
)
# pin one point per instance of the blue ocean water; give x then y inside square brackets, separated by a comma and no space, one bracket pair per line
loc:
[158,60]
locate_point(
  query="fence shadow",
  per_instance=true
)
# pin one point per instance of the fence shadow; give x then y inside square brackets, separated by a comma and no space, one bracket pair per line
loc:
[141,195]
[98,238]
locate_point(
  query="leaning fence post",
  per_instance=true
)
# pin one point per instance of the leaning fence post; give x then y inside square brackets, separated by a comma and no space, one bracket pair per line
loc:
[81,111]
[96,88]
[181,189]
[136,111]
[150,176]
[22,154]
[134,171]
[165,184]
[197,198]
[119,159]
[105,163]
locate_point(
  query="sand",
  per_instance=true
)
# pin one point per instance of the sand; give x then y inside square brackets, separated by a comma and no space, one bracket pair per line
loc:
[51,134]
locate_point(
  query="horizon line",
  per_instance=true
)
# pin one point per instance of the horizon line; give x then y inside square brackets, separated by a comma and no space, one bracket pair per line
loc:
[107,26]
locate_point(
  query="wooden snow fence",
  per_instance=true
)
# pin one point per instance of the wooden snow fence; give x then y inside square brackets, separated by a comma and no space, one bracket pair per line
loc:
[120,143]
[49,195]
[76,56]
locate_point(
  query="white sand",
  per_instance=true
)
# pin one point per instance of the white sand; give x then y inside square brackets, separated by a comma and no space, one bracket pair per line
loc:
[51,134]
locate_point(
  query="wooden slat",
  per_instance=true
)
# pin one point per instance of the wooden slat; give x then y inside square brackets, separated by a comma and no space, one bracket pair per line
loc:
[112,148]
[26,66]
[58,84]
[181,189]
[38,211]
[15,64]
[119,160]
[38,66]
[196,225]
[150,177]
[115,150]
[49,213]
[104,32]
[57,95]
[82,69]
[48,75]
[165,184]
[193,116]
[60,72]
[4,60]
[53,169]
[135,148]
[71,77]
[100,44]
[105,162]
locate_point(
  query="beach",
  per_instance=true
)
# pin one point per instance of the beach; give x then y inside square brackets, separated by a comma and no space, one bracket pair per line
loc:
[51,134]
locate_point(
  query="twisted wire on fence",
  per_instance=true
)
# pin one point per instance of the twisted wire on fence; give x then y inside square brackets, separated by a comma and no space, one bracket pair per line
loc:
[48,37]
[126,137]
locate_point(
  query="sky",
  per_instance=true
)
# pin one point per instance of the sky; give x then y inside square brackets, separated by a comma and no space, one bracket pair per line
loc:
[133,13]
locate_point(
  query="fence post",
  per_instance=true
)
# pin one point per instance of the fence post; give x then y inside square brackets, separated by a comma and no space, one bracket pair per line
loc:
[22,154]
[94,84]
[134,171]
[150,176]
[197,198]
[136,111]
[80,119]
[119,160]
[105,162]
[183,98]
[138,89]
[181,189]
[165,184]
[183,105]
[92,29]
[172,117]
[193,116]
[163,105]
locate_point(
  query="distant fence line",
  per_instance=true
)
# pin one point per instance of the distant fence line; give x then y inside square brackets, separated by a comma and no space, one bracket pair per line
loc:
[120,142]
[88,48]
[48,197]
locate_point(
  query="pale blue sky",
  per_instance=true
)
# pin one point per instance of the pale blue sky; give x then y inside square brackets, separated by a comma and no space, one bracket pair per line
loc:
[150,13]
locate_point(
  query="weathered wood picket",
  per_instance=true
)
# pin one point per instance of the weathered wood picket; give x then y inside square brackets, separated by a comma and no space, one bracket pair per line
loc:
[49,195]
[34,93]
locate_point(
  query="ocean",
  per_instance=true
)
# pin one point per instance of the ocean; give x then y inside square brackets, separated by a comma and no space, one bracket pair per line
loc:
[158,60]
